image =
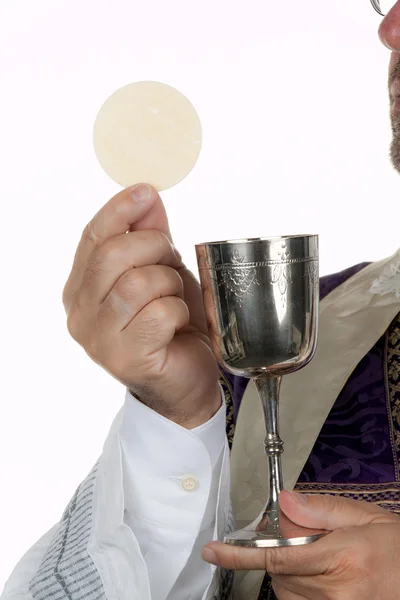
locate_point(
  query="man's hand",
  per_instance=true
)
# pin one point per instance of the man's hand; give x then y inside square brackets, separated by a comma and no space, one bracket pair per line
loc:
[359,560]
[138,312]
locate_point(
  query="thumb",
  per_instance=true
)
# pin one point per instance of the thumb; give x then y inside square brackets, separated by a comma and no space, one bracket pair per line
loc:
[331,512]
[156,216]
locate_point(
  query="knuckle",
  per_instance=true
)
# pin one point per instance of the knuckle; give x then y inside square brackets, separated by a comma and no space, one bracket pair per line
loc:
[168,281]
[161,239]
[184,311]
[131,283]
[157,240]
[66,294]
[274,561]
[110,251]
[73,324]
[178,281]
[157,317]
[236,559]
[81,328]
[89,234]
[158,321]
[162,310]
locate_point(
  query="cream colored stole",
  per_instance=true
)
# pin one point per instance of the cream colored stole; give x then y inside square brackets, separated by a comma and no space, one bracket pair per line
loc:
[352,319]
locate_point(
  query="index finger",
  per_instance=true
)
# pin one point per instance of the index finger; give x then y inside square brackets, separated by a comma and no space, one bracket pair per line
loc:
[137,207]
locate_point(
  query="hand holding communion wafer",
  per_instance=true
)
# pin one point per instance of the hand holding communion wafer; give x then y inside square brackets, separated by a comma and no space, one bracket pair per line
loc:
[131,303]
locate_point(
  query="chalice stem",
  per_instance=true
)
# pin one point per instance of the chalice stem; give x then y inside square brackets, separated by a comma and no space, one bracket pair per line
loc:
[268,390]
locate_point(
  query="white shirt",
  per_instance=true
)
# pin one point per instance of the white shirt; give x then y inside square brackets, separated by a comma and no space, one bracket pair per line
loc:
[136,526]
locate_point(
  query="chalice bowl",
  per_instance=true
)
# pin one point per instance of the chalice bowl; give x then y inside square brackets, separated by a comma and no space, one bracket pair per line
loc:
[261,302]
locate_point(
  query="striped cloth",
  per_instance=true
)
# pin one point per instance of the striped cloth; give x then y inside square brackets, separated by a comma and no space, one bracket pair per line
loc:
[67,571]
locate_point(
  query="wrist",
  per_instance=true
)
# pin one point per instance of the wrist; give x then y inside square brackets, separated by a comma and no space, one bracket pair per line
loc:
[189,413]
[207,409]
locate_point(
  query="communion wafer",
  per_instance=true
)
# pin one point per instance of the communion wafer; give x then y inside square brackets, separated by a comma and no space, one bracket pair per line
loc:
[147,132]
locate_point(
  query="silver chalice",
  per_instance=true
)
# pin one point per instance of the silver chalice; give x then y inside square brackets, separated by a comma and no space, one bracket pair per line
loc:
[261,302]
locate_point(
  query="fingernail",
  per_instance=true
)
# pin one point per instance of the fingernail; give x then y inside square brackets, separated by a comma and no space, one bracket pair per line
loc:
[209,556]
[300,498]
[141,193]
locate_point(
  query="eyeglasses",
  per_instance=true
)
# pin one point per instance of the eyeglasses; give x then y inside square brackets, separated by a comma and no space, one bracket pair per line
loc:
[383,6]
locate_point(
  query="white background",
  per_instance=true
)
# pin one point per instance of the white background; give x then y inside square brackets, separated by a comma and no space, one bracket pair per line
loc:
[292,98]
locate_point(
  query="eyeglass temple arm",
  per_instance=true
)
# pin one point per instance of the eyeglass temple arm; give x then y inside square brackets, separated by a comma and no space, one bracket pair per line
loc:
[375,4]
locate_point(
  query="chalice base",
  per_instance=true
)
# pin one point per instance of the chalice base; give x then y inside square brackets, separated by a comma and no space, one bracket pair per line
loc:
[270,531]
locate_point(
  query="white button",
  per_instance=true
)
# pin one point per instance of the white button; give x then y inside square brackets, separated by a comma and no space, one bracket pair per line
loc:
[190,483]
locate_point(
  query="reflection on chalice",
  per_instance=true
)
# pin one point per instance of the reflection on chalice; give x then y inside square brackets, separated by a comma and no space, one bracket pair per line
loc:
[261,302]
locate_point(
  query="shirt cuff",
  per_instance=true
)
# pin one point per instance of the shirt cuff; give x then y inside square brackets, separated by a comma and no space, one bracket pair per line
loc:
[171,470]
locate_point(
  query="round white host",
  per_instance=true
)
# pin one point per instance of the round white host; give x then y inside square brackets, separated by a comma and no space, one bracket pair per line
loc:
[147,132]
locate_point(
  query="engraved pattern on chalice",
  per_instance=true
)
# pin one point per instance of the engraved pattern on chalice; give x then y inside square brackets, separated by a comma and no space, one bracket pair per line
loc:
[313,271]
[280,273]
[239,277]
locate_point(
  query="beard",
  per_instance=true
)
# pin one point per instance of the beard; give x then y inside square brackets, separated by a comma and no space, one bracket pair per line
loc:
[395,124]
[395,143]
